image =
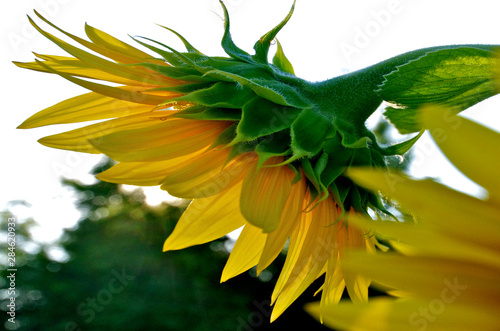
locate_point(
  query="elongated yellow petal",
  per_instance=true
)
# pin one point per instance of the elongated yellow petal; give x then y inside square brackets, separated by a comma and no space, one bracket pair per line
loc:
[297,239]
[472,283]
[164,140]
[207,174]
[471,147]
[77,140]
[289,220]
[86,107]
[129,57]
[75,67]
[265,194]
[206,220]
[317,247]
[349,238]
[246,252]
[114,48]
[96,61]
[126,93]
[143,173]
[334,281]
[436,203]
[383,314]
[429,239]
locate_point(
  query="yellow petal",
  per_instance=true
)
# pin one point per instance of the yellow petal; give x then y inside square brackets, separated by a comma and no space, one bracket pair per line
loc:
[164,140]
[77,140]
[289,220]
[318,244]
[143,173]
[349,238]
[384,314]
[96,61]
[297,239]
[206,175]
[74,67]
[86,107]
[264,195]
[437,204]
[246,252]
[127,93]
[471,147]
[429,239]
[471,283]
[206,220]
[114,48]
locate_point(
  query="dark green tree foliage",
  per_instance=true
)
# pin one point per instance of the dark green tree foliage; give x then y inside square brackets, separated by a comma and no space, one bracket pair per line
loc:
[117,278]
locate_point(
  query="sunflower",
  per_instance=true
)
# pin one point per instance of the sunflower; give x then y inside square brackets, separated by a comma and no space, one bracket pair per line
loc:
[250,143]
[445,273]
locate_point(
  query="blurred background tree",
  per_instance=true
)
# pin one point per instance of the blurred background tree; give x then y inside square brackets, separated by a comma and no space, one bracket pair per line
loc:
[109,273]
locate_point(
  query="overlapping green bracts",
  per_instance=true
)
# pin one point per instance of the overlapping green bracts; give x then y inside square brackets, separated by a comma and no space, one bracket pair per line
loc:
[320,127]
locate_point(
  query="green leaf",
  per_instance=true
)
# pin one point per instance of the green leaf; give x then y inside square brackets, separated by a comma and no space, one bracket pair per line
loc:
[262,117]
[262,45]
[308,133]
[281,61]
[221,94]
[458,77]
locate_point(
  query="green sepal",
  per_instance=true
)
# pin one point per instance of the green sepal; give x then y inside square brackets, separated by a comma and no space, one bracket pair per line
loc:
[334,192]
[281,61]
[261,117]
[198,112]
[170,57]
[313,183]
[227,42]
[298,174]
[273,145]
[190,48]
[399,148]
[350,137]
[308,133]
[361,157]
[320,190]
[240,148]
[261,47]
[272,90]
[457,77]
[377,205]
[184,88]
[338,159]
[225,137]
[183,73]
[221,94]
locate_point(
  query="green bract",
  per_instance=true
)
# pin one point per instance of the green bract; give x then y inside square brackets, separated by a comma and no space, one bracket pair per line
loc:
[319,127]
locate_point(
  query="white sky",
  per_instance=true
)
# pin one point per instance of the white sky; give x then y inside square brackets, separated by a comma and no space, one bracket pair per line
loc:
[311,40]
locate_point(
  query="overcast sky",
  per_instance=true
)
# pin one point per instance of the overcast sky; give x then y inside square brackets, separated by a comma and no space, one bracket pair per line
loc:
[323,39]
